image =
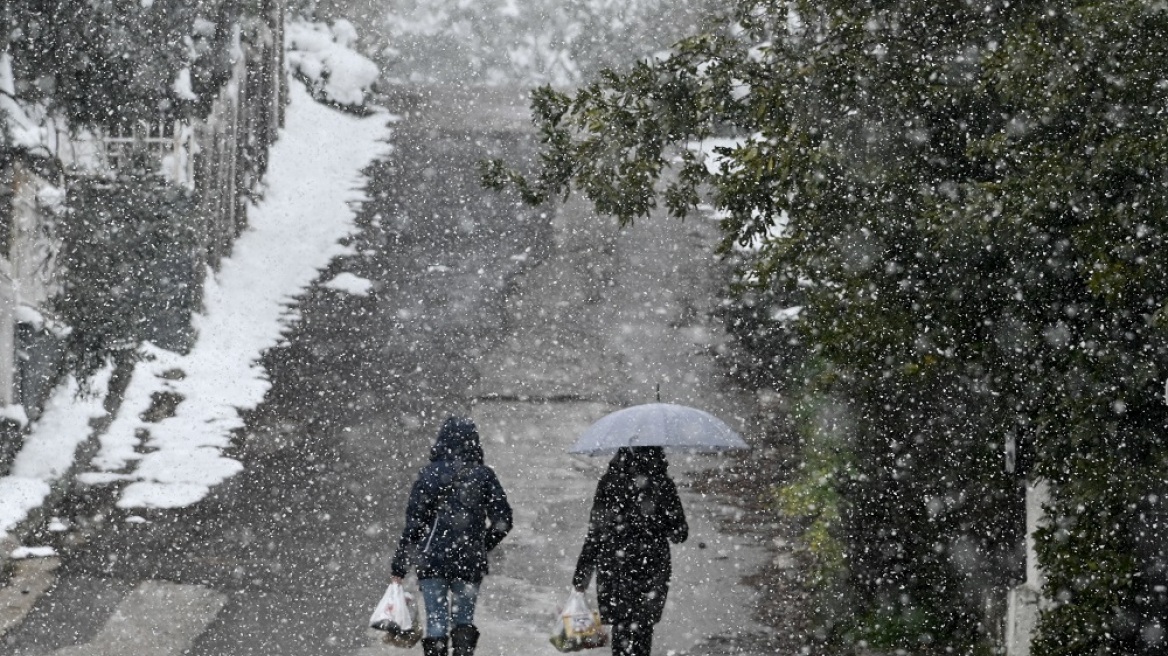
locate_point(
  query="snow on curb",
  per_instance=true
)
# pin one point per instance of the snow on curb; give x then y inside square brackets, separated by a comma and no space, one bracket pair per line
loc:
[313,183]
[49,450]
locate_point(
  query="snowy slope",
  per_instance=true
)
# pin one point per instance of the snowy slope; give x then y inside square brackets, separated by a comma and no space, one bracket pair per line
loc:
[312,186]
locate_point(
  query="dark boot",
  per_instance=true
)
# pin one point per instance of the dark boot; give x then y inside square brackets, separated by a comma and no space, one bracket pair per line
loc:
[463,639]
[644,640]
[622,640]
[629,639]
[434,646]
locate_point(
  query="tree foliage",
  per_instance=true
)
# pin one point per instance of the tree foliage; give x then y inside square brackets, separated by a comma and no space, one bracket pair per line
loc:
[101,62]
[124,245]
[967,198]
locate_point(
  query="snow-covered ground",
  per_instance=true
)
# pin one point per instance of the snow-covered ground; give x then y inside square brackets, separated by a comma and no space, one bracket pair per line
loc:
[309,206]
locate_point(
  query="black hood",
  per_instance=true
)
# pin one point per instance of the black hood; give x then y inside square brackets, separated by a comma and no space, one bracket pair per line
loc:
[458,439]
[638,461]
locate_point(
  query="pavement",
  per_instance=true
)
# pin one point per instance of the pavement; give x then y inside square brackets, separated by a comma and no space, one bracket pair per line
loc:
[606,321]
[533,321]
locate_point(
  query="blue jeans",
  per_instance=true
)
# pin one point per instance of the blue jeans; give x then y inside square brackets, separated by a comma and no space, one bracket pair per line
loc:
[441,611]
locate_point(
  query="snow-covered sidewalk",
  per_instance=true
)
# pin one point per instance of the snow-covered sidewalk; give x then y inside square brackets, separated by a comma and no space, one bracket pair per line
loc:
[311,189]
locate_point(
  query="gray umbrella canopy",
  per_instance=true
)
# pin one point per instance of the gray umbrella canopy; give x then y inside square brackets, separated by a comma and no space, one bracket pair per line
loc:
[676,427]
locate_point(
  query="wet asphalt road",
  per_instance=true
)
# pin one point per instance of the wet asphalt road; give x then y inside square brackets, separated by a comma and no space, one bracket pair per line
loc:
[294,550]
[535,322]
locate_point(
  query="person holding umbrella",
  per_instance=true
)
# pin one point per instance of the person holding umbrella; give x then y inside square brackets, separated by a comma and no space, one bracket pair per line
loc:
[457,513]
[636,513]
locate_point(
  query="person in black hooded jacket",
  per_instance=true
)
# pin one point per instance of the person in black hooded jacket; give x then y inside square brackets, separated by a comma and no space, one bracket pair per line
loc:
[457,514]
[635,515]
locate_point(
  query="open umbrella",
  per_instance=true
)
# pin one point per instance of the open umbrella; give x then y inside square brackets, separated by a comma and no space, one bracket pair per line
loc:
[667,425]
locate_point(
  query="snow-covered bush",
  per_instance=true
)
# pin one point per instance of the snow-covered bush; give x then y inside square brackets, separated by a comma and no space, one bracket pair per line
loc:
[323,57]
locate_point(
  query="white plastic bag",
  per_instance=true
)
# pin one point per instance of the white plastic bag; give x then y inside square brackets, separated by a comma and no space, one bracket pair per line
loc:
[578,627]
[397,615]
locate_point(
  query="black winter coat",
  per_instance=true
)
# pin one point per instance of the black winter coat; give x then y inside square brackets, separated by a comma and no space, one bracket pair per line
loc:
[635,515]
[457,511]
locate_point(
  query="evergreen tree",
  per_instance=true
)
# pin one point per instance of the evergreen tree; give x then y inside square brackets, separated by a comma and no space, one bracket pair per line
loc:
[100,62]
[970,201]
[1081,181]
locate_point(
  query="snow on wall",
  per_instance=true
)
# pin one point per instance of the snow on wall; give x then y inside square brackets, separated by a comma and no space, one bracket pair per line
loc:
[24,128]
[34,248]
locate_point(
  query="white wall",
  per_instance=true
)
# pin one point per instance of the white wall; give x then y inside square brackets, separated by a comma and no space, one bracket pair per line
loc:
[1024,601]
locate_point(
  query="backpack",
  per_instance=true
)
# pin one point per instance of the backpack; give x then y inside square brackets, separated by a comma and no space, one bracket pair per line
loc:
[451,536]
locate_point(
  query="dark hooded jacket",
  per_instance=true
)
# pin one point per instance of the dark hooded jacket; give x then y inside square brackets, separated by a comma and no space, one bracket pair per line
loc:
[457,510]
[635,515]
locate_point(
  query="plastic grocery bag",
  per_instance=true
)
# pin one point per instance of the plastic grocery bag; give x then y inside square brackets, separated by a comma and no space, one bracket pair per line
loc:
[397,615]
[578,627]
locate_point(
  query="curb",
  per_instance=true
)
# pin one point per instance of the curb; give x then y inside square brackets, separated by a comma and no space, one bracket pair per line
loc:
[30,579]
[60,486]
